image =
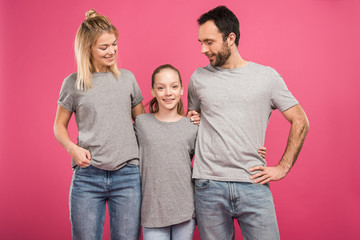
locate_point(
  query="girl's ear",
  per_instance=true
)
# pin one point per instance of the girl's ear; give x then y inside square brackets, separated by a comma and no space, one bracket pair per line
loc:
[152,92]
[182,90]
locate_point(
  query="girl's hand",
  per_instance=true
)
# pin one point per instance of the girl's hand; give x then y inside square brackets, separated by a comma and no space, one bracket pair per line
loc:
[262,152]
[81,156]
[194,117]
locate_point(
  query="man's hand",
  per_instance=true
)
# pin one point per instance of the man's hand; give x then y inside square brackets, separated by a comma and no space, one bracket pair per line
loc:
[267,174]
[194,117]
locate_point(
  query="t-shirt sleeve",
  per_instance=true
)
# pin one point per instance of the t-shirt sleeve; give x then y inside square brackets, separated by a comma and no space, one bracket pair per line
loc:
[66,98]
[193,98]
[281,97]
[136,96]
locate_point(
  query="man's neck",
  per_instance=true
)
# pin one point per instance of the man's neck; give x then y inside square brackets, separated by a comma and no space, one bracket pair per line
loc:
[235,61]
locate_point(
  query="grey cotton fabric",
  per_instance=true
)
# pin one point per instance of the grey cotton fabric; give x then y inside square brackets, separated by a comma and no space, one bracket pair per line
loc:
[235,106]
[166,150]
[103,117]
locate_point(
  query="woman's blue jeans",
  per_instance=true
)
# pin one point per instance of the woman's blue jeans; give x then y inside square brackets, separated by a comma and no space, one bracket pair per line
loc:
[218,203]
[91,188]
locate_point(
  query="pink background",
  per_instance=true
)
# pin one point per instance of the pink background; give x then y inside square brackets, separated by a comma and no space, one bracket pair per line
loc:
[314,44]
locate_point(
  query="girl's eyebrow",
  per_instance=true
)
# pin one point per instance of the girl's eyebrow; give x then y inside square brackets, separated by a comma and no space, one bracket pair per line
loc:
[170,83]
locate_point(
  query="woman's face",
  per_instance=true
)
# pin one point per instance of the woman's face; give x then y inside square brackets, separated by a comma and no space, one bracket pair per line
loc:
[167,89]
[103,52]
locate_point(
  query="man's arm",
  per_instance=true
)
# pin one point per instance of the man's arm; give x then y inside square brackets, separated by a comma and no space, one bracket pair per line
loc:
[299,128]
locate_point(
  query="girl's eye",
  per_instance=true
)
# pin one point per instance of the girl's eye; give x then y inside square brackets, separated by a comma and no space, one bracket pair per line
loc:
[103,49]
[175,87]
[160,88]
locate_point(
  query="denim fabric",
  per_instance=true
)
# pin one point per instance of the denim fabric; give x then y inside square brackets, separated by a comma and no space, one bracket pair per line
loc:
[181,231]
[91,188]
[218,203]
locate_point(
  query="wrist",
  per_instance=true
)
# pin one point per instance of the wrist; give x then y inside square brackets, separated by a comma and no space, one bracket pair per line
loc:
[284,167]
[70,147]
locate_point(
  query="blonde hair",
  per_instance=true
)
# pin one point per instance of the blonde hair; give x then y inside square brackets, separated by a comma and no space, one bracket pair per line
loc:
[87,34]
[154,105]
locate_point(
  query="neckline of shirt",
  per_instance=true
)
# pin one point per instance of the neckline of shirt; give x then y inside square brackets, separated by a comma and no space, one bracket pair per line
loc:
[166,122]
[239,69]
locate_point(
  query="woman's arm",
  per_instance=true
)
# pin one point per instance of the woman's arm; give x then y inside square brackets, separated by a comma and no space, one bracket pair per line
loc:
[137,110]
[80,155]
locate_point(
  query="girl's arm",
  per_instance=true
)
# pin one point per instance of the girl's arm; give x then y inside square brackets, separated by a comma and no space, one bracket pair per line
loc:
[80,155]
[262,152]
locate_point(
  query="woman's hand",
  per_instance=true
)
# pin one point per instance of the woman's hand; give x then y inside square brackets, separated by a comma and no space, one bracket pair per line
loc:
[81,156]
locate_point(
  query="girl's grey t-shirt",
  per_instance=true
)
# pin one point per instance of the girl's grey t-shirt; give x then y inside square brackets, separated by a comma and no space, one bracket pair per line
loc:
[166,150]
[103,117]
[235,105]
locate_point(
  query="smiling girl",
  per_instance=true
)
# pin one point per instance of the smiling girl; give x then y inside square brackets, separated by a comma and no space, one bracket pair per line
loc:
[166,141]
[105,162]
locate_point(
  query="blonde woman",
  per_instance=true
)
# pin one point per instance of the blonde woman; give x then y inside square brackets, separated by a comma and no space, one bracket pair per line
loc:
[105,162]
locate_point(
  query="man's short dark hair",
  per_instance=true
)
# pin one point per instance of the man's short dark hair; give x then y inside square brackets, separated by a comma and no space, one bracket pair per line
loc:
[224,19]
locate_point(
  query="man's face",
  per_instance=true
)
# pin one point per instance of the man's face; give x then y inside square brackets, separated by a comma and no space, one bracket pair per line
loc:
[213,45]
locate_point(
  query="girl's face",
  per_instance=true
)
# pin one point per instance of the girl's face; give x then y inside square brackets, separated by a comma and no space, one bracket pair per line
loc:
[167,89]
[103,52]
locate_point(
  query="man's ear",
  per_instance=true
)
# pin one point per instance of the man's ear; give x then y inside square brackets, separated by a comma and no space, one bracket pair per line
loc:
[231,38]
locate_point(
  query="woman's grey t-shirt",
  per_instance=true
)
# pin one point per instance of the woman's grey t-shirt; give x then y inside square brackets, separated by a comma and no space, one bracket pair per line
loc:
[166,150]
[103,117]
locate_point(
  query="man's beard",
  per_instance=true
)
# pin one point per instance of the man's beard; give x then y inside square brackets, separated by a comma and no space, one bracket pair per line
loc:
[222,56]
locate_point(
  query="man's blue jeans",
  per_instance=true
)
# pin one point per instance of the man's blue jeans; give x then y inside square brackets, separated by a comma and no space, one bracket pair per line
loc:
[91,188]
[218,203]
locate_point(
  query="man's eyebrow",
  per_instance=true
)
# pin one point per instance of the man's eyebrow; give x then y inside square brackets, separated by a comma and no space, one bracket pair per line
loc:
[205,40]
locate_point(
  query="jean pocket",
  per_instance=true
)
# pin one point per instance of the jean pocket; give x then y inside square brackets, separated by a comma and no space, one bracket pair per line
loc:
[83,170]
[201,183]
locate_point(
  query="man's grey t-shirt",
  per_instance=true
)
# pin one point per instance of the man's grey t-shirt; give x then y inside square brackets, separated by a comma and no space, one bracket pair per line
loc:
[166,150]
[235,105]
[103,117]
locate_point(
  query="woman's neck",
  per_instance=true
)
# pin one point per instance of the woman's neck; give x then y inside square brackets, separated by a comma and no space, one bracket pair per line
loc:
[101,68]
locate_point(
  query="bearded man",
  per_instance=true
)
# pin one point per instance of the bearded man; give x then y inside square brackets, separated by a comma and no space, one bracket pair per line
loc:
[235,98]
